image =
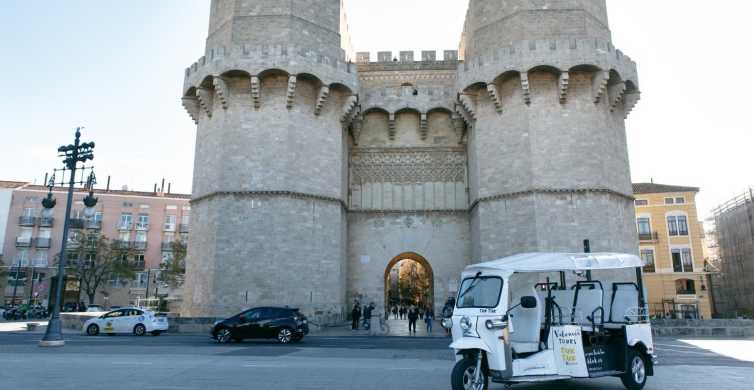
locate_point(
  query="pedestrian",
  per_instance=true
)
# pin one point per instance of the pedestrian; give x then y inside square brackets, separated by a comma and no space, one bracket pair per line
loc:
[395,312]
[413,316]
[428,318]
[355,316]
[400,311]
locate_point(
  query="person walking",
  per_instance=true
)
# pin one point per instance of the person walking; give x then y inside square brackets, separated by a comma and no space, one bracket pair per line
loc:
[413,316]
[428,318]
[395,312]
[355,316]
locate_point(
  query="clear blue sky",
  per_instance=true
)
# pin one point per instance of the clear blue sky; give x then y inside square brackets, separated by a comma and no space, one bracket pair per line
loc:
[116,67]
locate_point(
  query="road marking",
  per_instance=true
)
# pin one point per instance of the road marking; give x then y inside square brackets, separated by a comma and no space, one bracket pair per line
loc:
[676,346]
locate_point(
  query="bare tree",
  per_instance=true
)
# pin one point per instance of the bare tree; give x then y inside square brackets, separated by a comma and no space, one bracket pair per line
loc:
[173,270]
[94,259]
[3,276]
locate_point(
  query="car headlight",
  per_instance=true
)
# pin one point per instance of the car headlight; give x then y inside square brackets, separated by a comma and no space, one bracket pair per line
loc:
[465,324]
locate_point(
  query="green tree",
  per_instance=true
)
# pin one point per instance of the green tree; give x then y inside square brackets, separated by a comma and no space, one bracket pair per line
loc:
[94,259]
[173,270]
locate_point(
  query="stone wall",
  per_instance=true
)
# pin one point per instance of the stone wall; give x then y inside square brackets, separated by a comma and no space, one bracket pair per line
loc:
[703,328]
[376,239]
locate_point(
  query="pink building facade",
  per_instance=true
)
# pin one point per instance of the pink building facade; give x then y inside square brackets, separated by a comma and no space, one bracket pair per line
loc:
[148,222]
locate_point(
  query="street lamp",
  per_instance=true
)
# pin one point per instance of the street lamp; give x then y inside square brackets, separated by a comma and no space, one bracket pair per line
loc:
[72,155]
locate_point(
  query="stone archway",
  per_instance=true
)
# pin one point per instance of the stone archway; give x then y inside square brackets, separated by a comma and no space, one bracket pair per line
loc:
[409,280]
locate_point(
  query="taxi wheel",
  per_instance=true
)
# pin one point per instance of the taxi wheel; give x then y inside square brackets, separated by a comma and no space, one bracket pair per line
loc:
[92,330]
[140,330]
[636,373]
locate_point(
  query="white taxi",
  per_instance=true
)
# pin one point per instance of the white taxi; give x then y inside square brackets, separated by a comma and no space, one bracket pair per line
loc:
[127,320]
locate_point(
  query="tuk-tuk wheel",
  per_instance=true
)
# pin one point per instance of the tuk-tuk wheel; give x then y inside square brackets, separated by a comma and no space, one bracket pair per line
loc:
[463,375]
[636,373]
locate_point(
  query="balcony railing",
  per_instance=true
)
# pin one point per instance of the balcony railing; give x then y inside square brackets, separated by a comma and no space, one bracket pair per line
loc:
[94,225]
[183,228]
[42,242]
[76,223]
[26,221]
[124,226]
[139,245]
[167,246]
[649,237]
[120,244]
[22,242]
[169,227]
[142,226]
[46,222]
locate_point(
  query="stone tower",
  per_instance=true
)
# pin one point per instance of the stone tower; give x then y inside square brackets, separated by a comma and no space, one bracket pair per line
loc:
[315,176]
[545,95]
[269,97]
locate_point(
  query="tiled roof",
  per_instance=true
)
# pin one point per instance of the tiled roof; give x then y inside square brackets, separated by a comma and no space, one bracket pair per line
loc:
[652,188]
[96,191]
[11,184]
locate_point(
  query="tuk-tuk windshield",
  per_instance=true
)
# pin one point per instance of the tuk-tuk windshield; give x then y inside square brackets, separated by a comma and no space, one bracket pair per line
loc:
[481,292]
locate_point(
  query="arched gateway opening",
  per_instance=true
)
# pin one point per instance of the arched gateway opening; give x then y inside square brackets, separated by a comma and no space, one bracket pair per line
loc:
[409,281]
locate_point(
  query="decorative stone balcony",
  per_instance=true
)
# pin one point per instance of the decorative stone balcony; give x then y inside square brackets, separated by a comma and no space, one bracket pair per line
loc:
[42,242]
[26,221]
[649,237]
[23,242]
[46,222]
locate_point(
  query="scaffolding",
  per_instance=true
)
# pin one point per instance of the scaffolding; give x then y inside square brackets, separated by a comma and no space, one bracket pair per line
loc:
[734,226]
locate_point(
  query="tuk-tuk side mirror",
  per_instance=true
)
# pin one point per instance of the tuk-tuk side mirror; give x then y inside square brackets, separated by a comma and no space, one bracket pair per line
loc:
[529,302]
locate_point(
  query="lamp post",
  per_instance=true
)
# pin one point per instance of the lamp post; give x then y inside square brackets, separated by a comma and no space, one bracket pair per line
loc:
[72,155]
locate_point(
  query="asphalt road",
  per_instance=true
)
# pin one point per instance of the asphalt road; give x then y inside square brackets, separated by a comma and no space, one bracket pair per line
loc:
[363,363]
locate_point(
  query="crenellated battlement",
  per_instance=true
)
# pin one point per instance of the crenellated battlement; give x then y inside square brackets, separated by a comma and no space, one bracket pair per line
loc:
[563,54]
[254,59]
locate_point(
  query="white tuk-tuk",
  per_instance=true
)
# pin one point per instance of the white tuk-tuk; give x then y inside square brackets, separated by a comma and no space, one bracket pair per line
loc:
[551,316]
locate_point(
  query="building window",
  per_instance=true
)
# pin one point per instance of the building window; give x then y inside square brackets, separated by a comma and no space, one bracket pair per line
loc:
[685,287]
[139,261]
[143,223]
[17,279]
[682,261]
[30,212]
[641,202]
[170,223]
[167,257]
[22,258]
[648,255]
[669,201]
[644,226]
[678,225]
[40,260]
[680,200]
[45,233]
[126,219]
[89,260]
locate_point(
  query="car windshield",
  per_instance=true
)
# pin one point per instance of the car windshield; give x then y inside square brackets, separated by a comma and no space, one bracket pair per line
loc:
[482,292]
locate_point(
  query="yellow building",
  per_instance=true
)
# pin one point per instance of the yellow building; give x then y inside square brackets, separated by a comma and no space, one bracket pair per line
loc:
[670,241]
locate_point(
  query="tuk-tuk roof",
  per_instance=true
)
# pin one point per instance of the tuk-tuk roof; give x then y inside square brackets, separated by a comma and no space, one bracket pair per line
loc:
[554,262]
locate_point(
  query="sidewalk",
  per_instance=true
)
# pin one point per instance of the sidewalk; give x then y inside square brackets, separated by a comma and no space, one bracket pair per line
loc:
[393,328]
[22,327]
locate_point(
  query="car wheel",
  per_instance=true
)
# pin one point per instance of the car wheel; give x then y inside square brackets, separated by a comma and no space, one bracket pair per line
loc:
[140,330]
[636,373]
[285,336]
[223,336]
[92,330]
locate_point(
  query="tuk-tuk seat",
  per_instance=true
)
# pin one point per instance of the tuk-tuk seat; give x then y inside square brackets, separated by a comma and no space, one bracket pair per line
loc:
[527,323]
[623,302]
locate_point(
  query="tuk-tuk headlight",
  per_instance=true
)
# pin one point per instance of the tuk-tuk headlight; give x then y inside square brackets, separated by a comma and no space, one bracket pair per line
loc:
[465,324]
[447,323]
